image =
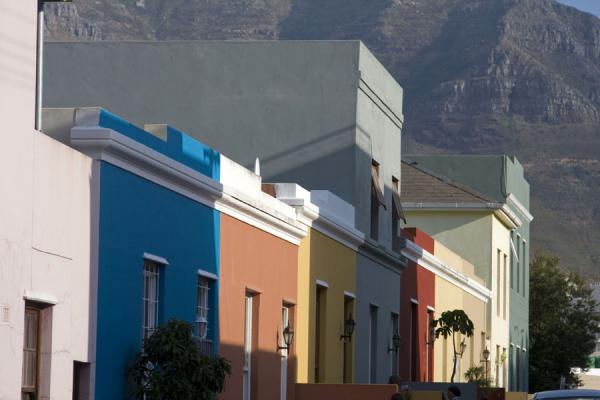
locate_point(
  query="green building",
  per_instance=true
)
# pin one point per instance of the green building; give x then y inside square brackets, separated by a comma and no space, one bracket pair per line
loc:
[502,179]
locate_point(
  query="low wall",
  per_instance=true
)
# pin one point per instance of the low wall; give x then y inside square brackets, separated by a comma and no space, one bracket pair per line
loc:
[324,391]
[516,396]
[426,395]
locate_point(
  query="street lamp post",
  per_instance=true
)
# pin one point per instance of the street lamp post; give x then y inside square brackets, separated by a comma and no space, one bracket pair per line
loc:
[486,359]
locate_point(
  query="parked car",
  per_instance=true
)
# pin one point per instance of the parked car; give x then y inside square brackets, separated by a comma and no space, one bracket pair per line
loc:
[573,394]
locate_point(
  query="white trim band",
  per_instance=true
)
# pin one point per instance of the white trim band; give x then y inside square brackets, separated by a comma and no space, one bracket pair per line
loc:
[115,148]
[428,261]
[208,275]
[349,294]
[322,284]
[512,200]
[414,301]
[155,258]
[40,297]
[500,210]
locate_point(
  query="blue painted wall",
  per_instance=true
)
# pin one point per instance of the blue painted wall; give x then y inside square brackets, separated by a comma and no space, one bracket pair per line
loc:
[137,217]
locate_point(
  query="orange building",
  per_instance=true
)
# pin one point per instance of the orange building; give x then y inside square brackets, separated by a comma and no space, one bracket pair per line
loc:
[257,289]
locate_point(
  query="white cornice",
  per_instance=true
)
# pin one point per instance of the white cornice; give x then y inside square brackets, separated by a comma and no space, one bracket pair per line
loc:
[117,149]
[513,201]
[501,210]
[310,215]
[428,261]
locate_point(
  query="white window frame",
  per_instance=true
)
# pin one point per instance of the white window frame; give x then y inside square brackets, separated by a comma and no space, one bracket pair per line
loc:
[202,307]
[150,297]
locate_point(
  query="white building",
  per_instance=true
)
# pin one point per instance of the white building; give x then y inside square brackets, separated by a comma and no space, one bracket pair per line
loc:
[45,243]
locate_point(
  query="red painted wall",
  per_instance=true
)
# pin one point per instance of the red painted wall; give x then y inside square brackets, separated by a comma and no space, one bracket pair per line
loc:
[419,284]
[252,259]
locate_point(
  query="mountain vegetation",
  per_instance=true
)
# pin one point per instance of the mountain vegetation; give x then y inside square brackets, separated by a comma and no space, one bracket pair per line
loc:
[480,76]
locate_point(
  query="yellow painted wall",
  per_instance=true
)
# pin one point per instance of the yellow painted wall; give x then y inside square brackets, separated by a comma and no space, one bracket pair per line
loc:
[322,258]
[450,297]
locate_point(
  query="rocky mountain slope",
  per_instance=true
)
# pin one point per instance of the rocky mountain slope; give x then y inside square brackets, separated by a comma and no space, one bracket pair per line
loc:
[481,76]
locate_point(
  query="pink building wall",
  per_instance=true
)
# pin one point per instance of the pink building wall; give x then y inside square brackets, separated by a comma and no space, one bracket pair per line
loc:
[46,190]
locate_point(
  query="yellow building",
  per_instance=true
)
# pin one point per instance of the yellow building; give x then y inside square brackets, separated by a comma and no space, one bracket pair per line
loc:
[460,290]
[326,285]
[477,228]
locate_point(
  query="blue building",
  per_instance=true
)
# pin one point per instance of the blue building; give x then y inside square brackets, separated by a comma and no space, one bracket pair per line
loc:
[158,238]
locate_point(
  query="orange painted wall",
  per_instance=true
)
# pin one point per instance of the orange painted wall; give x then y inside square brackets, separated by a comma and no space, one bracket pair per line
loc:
[251,259]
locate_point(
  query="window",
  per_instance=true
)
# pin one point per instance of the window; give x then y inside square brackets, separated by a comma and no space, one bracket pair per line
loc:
[518,271]
[348,356]
[394,331]
[202,308]
[430,343]
[377,199]
[504,286]
[249,327]
[525,268]
[373,344]
[498,381]
[81,380]
[320,318]
[150,298]
[414,342]
[31,353]
[204,319]
[498,281]
[398,213]
[286,316]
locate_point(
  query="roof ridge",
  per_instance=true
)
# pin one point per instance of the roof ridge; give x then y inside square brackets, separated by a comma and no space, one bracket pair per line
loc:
[444,179]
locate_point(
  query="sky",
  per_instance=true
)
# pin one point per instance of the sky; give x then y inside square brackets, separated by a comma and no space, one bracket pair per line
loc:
[591,6]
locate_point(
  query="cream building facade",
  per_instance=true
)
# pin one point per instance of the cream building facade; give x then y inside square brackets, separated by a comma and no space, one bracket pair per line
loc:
[478,229]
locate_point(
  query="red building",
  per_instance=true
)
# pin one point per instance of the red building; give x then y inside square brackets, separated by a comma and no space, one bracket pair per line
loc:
[417,302]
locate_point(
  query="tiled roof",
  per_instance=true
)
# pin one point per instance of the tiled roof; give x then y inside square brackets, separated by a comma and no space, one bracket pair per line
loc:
[422,186]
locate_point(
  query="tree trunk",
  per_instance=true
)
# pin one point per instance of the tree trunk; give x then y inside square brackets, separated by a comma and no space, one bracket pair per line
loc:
[455,358]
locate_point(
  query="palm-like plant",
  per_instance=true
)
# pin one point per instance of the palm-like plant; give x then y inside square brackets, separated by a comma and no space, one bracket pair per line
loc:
[448,325]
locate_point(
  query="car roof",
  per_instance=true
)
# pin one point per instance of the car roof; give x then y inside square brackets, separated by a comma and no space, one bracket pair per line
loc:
[568,393]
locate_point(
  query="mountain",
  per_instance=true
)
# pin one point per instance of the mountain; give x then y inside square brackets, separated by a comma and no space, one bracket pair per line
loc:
[480,76]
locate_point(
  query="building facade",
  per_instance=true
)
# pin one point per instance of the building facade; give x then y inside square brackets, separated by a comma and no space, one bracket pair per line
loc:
[502,179]
[45,241]
[157,255]
[479,229]
[417,308]
[446,282]
[258,288]
[326,285]
[307,109]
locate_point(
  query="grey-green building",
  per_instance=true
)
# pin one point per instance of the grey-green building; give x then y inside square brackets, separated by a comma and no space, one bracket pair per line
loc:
[502,179]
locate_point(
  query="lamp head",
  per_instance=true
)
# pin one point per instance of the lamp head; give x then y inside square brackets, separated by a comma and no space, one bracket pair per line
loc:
[288,336]
[486,354]
[396,341]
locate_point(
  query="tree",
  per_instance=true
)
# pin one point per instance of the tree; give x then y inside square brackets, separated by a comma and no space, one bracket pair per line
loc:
[448,325]
[563,323]
[478,375]
[170,367]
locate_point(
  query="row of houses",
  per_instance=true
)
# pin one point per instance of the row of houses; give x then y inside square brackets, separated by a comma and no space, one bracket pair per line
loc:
[114,224]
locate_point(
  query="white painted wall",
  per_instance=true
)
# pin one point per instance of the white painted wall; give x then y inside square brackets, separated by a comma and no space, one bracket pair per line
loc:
[500,325]
[45,220]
